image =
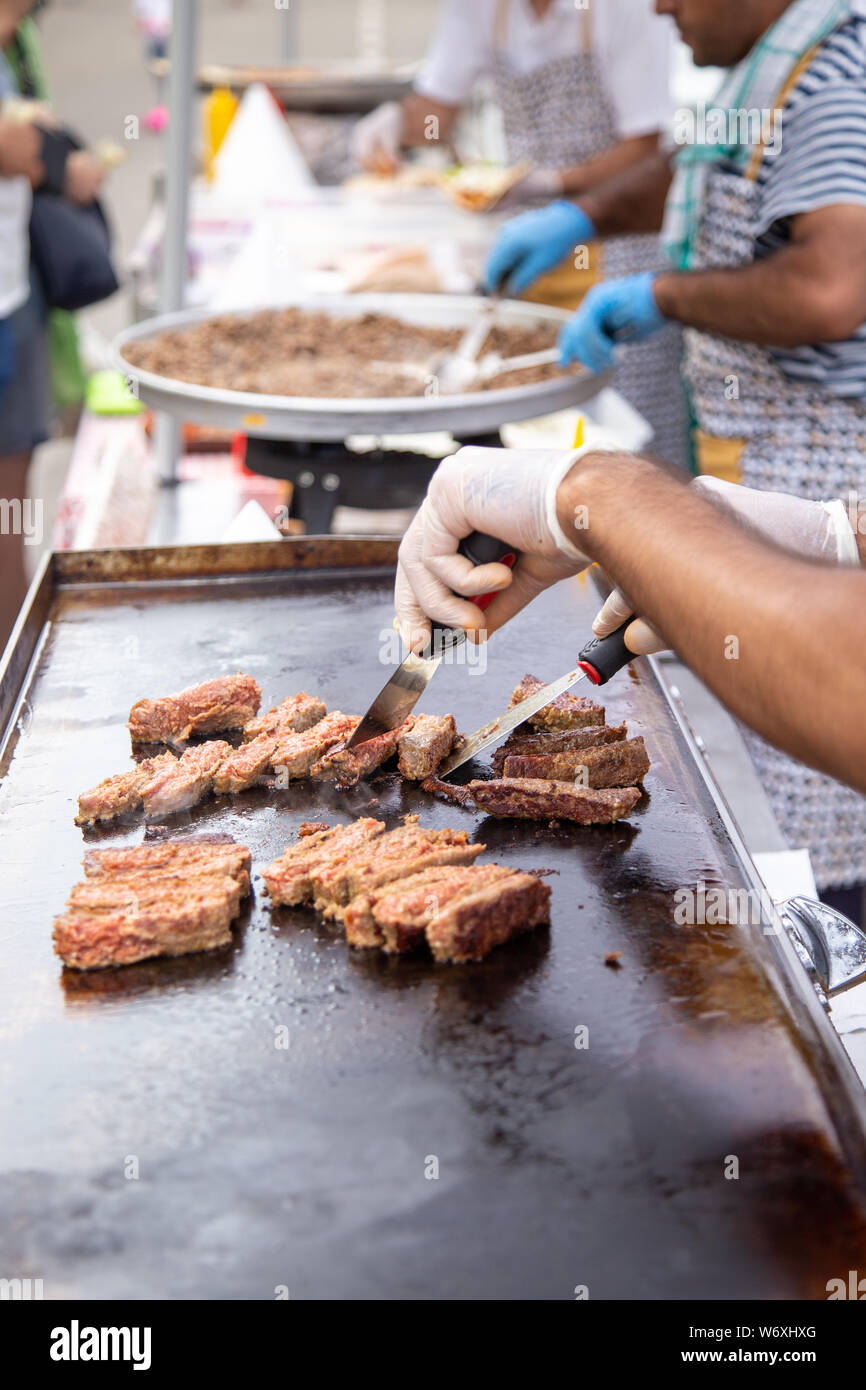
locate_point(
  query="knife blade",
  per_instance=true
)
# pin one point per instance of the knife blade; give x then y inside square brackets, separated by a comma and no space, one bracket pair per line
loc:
[404,688]
[600,659]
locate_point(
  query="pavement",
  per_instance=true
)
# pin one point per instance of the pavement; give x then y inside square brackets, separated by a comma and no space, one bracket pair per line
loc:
[100,86]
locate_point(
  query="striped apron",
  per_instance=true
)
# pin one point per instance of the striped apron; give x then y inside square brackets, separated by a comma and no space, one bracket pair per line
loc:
[559,115]
[756,426]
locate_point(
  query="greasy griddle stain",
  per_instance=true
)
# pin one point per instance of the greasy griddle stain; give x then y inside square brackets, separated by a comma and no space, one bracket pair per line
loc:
[297,352]
[262,1167]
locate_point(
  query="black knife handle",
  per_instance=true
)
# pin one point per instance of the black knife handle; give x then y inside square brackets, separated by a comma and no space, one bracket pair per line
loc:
[602,657]
[481,550]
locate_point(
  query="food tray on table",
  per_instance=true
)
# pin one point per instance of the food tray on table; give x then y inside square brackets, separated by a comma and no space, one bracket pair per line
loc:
[336,418]
[312,1165]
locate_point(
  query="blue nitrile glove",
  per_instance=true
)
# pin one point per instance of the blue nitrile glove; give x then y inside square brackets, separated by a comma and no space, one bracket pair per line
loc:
[617,311]
[533,243]
[7,354]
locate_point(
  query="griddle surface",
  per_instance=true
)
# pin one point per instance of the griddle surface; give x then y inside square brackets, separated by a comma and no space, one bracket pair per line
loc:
[260,1166]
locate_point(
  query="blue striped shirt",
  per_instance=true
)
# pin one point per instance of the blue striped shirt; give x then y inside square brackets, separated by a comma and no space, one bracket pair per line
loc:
[821,163]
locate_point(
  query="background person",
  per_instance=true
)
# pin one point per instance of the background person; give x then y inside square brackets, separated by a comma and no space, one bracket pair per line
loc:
[584,94]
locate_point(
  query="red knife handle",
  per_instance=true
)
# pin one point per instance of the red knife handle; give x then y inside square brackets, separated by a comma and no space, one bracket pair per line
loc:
[486,550]
[604,656]
[481,550]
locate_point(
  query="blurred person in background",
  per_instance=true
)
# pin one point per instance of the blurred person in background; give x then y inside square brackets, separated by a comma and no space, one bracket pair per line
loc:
[584,95]
[153,20]
[38,345]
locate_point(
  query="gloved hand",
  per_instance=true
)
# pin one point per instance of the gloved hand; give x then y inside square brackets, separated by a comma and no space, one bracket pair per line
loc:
[507,493]
[622,310]
[376,140]
[814,530]
[533,243]
[538,183]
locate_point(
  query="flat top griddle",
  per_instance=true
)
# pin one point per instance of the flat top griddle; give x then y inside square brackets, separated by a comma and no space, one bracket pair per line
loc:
[310,1166]
[335,418]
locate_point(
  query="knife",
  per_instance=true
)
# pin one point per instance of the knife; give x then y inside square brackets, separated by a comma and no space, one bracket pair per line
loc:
[600,659]
[400,694]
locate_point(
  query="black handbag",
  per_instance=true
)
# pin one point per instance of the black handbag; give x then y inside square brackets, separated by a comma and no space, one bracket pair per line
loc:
[70,245]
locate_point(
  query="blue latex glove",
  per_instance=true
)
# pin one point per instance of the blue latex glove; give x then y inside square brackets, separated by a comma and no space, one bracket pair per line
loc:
[7,354]
[617,311]
[533,243]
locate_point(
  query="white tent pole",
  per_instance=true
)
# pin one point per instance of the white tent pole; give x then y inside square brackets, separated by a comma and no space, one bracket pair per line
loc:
[179,144]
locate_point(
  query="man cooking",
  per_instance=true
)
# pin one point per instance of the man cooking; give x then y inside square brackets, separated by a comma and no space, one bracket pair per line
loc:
[584,95]
[702,564]
[768,245]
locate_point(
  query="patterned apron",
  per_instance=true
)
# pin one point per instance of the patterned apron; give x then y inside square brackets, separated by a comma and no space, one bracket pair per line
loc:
[757,426]
[559,115]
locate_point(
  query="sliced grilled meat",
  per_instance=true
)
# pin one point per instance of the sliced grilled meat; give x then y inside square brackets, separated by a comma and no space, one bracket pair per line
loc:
[290,880]
[565,712]
[187,782]
[117,796]
[294,714]
[476,920]
[211,854]
[535,744]
[296,753]
[613,765]
[229,702]
[245,765]
[346,766]
[424,744]
[395,917]
[536,799]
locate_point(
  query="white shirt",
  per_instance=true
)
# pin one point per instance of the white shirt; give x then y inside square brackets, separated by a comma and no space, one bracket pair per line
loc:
[633,47]
[14,244]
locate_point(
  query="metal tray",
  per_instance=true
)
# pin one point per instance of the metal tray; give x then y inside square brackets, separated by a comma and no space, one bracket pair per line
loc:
[155,1143]
[298,417]
[304,89]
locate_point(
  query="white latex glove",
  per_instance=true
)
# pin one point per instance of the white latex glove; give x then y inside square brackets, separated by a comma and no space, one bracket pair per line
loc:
[507,493]
[376,140]
[538,183]
[815,530]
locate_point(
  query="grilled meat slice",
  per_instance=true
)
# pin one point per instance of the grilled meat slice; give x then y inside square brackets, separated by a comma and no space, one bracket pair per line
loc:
[476,920]
[395,855]
[535,799]
[290,879]
[395,916]
[154,886]
[229,702]
[245,765]
[565,712]
[90,940]
[118,795]
[536,744]
[346,766]
[296,753]
[295,714]
[187,782]
[613,765]
[424,744]
[447,791]
[196,855]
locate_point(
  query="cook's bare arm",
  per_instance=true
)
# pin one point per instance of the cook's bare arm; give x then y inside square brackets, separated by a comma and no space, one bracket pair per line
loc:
[625,155]
[811,291]
[630,201]
[799,676]
[426,121]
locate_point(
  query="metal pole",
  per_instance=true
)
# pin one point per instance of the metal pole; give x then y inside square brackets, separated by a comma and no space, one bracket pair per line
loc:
[289,17]
[179,143]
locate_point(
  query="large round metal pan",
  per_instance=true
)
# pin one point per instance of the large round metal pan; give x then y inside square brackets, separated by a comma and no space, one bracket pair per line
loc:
[320,418]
